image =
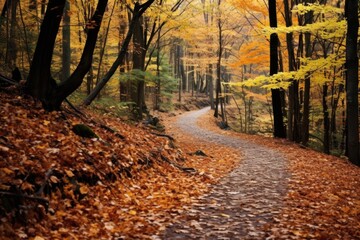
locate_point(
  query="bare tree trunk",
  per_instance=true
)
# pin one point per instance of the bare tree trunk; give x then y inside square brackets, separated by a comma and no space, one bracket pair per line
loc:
[306,111]
[66,54]
[290,124]
[293,126]
[39,80]
[89,81]
[123,90]
[352,81]
[279,128]
[343,128]
[211,86]
[137,12]
[103,45]
[158,82]
[43,7]
[182,68]
[326,120]
[177,70]
[334,107]
[218,98]
[12,48]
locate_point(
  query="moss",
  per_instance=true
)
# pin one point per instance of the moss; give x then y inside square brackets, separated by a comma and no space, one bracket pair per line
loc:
[83,130]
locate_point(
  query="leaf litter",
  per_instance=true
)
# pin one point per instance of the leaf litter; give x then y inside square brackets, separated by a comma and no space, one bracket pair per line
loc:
[125,184]
[122,188]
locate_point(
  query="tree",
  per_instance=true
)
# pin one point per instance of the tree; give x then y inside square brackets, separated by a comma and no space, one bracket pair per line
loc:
[66,51]
[294,117]
[11,48]
[138,11]
[306,112]
[139,54]
[279,128]
[352,81]
[218,97]
[40,83]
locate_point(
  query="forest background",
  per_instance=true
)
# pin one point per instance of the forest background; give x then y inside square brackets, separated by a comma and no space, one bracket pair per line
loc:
[146,58]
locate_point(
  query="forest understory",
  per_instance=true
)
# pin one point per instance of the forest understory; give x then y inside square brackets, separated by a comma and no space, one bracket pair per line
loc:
[131,182]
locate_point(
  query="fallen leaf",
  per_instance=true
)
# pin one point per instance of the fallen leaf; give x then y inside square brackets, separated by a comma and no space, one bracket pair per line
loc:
[69,173]
[38,238]
[132,212]
[7,171]
[54,179]
[84,189]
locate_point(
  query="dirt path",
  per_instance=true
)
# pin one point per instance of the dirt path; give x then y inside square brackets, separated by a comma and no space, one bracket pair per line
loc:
[243,204]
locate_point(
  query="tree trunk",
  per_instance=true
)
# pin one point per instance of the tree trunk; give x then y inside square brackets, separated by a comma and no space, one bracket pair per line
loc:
[123,85]
[293,130]
[307,84]
[89,81]
[290,127]
[40,84]
[343,128]
[67,87]
[279,128]
[137,12]
[334,108]
[219,99]
[211,86]
[12,48]
[182,68]
[306,112]
[66,51]
[158,82]
[43,7]
[191,77]
[123,90]
[326,121]
[297,133]
[352,81]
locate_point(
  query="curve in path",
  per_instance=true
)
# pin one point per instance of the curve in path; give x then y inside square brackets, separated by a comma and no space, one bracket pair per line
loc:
[242,204]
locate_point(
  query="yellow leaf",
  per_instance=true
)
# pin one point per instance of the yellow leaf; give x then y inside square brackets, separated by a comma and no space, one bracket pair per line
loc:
[132,212]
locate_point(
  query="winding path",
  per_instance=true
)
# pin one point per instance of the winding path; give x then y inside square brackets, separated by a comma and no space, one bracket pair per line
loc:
[243,204]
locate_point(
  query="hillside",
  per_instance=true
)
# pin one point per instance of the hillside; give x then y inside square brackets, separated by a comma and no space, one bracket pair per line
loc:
[54,183]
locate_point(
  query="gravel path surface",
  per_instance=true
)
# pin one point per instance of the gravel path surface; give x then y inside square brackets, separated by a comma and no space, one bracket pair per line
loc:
[243,204]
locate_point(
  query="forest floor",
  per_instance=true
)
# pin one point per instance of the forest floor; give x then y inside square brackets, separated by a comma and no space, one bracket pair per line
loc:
[280,190]
[135,183]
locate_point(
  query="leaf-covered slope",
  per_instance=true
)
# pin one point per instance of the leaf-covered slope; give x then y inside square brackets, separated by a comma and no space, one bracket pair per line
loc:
[123,184]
